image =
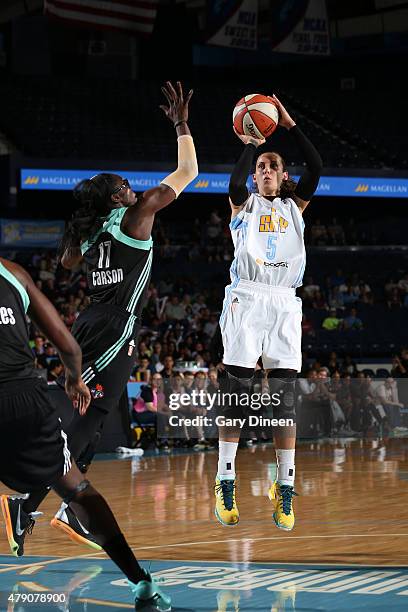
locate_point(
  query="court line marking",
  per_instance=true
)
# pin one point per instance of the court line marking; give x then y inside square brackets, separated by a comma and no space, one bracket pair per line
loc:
[17,568]
[287,538]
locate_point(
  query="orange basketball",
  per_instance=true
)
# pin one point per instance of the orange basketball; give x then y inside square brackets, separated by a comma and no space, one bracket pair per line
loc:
[256,115]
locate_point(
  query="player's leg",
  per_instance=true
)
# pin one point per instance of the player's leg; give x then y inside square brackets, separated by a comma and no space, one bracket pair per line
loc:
[242,331]
[96,517]
[235,381]
[282,388]
[84,434]
[282,360]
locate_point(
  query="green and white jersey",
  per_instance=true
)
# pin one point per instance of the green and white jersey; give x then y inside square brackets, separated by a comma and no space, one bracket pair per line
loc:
[118,267]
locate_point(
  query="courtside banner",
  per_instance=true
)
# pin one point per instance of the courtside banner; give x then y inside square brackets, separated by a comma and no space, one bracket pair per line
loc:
[211,182]
[18,233]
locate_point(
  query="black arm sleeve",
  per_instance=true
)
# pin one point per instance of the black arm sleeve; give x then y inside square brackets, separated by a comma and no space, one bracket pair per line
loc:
[309,180]
[238,191]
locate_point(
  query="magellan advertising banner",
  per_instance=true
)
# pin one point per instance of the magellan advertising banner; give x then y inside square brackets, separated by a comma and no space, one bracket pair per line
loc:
[214,182]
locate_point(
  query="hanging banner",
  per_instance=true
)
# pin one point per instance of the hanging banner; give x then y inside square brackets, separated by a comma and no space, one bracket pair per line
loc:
[300,26]
[24,233]
[232,24]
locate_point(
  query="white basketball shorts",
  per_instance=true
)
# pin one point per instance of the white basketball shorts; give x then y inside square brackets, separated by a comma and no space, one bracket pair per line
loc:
[262,321]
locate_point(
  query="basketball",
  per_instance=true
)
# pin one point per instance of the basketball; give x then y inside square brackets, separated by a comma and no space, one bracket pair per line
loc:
[255,115]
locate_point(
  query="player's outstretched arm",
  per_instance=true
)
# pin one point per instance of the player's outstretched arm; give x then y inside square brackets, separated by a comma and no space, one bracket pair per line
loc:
[237,189]
[309,180]
[44,315]
[138,221]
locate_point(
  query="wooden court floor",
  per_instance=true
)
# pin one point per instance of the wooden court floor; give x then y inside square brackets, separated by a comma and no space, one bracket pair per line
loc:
[352,507]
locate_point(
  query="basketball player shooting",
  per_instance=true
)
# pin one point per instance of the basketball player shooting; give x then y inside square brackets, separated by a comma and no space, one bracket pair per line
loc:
[261,314]
[110,233]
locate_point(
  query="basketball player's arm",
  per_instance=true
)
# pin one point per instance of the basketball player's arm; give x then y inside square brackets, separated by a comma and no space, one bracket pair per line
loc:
[237,189]
[309,180]
[71,258]
[47,319]
[138,220]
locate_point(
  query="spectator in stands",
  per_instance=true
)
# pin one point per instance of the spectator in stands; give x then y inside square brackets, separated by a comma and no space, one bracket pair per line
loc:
[350,296]
[199,303]
[336,298]
[38,346]
[333,364]
[332,322]
[211,325]
[175,311]
[188,382]
[319,302]
[390,285]
[345,399]
[403,283]
[167,372]
[352,322]
[398,369]
[337,279]
[144,350]
[387,393]
[349,366]
[318,234]
[394,299]
[55,370]
[307,326]
[142,372]
[335,233]
[49,355]
[310,287]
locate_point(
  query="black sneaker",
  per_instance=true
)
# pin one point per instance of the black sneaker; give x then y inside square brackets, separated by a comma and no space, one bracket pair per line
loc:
[66,521]
[18,523]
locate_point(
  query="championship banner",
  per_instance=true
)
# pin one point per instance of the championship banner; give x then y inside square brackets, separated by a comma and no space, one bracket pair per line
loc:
[233,23]
[215,182]
[17,233]
[300,27]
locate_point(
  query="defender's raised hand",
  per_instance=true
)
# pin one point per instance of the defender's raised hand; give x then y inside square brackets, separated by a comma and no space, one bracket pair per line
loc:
[177,109]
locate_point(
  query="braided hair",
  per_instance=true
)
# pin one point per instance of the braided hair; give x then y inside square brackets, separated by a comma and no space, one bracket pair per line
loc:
[94,197]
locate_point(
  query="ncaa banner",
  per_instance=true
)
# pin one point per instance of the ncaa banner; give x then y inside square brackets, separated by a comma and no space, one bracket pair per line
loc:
[17,233]
[300,27]
[233,24]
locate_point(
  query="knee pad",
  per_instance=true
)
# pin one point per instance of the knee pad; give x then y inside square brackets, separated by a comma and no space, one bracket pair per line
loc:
[282,386]
[72,495]
[234,383]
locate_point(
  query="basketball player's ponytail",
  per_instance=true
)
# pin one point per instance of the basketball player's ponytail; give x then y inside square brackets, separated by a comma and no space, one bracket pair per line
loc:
[287,188]
[94,197]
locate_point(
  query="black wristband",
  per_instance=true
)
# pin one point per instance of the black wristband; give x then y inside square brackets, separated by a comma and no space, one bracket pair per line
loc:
[179,123]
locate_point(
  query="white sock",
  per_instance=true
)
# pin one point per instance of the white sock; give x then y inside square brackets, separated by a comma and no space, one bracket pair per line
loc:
[286,466]
[226,460]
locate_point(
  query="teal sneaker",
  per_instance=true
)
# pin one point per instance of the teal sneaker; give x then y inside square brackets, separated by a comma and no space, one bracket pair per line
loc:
[149,597]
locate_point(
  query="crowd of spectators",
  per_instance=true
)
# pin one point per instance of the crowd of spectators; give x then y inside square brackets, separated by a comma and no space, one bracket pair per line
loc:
[180,330]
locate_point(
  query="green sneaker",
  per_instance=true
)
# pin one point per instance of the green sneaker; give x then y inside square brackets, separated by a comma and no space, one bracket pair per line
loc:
[148,596]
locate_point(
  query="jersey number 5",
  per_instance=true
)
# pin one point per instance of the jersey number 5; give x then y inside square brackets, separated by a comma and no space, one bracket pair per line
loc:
[104,256]
[271,246]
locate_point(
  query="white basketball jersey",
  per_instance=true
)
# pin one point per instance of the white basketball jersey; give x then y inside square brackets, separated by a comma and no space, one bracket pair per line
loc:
[268,241]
